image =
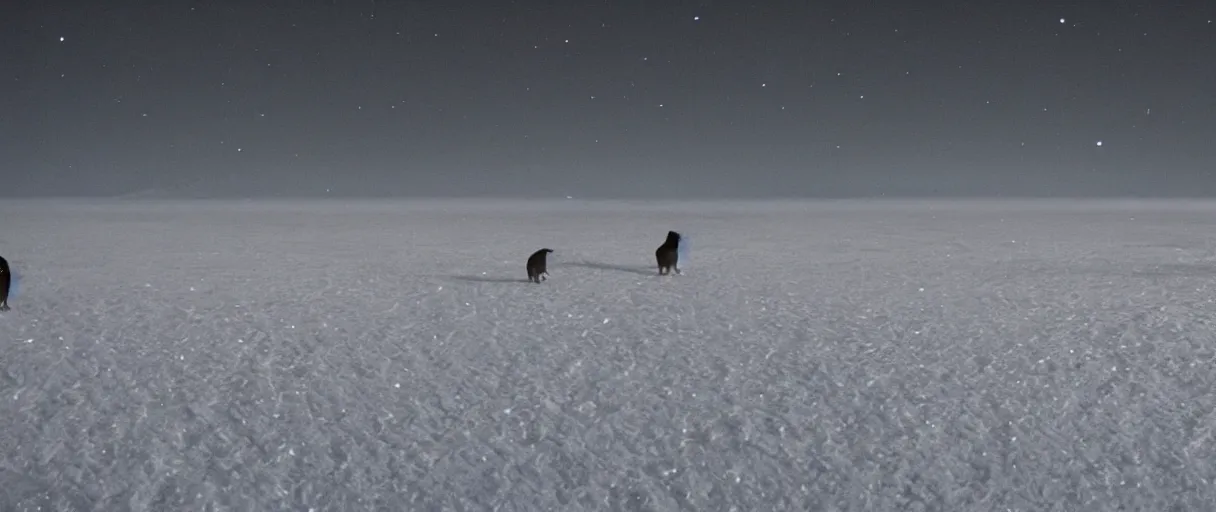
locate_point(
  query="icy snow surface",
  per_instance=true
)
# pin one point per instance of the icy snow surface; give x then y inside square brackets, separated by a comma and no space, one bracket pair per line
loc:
[264,356]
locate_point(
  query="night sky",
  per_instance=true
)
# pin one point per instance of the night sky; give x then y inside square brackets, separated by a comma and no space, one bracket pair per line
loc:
[608,98]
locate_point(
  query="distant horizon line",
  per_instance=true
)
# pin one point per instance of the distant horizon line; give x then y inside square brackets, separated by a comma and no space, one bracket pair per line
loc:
[645,199]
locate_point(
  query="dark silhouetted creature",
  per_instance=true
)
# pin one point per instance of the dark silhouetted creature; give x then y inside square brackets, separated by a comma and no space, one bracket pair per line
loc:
[536,266]
[6,280]
[668,254]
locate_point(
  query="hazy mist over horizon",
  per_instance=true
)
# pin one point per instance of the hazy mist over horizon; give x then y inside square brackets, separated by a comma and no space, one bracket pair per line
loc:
[335,98]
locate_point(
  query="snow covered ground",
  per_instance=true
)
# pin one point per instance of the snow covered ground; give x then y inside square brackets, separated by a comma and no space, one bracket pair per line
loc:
[814,356]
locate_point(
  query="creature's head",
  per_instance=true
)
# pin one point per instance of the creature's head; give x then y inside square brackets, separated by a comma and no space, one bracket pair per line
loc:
[673,238]
[546,250]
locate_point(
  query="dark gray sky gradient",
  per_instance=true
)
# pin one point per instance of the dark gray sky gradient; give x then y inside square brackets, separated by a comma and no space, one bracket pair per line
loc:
[608,99]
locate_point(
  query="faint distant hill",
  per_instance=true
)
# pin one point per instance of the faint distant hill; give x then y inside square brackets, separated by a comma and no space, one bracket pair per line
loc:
[194,189]
[148,193]
[165,193]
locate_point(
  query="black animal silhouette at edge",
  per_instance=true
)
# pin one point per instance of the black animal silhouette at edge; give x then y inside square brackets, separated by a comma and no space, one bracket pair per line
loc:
[6,281]
[537,264]
[668,254]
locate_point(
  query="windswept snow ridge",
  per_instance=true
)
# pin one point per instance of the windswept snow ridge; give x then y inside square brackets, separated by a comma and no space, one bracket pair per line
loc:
[818,356]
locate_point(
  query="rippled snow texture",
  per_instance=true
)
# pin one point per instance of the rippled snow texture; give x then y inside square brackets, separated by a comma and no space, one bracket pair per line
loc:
[861,356]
